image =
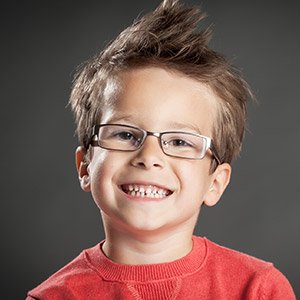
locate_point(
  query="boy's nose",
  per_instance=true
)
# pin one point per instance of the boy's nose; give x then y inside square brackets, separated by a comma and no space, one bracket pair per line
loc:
[149,155]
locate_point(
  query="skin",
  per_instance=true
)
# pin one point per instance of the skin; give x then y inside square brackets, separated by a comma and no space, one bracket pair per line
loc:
[144,230]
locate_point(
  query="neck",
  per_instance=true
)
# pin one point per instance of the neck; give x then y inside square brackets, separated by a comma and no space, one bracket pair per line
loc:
[140,248]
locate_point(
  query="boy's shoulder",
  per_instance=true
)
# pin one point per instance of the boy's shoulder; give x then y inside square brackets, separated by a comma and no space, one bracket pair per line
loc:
[73,276]
[235,264]
[218,255]
[232,268]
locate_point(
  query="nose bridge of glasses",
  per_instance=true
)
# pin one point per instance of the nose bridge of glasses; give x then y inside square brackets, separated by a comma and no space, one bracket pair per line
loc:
[156,134]
[150,133]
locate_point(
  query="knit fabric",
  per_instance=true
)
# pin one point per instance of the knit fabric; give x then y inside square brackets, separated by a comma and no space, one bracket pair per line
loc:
[209,271]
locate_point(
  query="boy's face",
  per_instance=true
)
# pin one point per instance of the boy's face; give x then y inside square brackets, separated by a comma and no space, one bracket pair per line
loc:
[155,100]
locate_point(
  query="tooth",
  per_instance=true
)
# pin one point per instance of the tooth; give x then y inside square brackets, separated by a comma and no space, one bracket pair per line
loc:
[132,193]
[160,191]
[157,196]
[142,189]
[148,191]
[137,194]
[136,188]
[130,188]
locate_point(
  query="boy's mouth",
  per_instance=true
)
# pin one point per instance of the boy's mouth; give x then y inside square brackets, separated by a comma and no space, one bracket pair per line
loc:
[149,191]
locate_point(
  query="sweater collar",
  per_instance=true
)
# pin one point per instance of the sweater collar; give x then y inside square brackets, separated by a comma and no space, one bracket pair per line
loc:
[110,270]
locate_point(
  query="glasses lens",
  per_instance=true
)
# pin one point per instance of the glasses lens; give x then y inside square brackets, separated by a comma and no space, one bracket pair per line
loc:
[184,145]
[118,137]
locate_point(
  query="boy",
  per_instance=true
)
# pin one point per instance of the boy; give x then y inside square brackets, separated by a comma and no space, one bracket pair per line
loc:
[160,116]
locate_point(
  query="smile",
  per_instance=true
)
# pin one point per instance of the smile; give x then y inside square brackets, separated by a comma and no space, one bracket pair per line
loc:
[149,191]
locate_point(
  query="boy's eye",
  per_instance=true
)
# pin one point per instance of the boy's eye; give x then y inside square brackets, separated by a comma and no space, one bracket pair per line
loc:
[124,135]
[178,143]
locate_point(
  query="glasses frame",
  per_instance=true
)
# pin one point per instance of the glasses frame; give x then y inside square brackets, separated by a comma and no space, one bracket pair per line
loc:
[209,141]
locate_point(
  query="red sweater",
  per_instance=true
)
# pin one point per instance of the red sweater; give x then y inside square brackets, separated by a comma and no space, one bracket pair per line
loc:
[209,271]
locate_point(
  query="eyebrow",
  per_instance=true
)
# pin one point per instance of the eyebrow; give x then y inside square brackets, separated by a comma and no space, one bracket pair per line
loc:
[173,125]
[120,118]
[180,125]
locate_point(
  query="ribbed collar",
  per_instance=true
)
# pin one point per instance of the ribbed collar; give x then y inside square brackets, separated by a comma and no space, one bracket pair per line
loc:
[110,270]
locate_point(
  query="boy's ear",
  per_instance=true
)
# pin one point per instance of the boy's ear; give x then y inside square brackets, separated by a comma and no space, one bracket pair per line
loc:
[220,180]
[82,168]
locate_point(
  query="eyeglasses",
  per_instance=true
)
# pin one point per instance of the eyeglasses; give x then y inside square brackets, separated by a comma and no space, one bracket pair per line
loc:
[173,143]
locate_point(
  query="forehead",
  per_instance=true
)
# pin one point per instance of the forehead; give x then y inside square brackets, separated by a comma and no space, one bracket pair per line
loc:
[160,99]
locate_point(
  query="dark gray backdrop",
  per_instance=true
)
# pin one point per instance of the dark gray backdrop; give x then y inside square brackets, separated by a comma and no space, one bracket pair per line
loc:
[47,220]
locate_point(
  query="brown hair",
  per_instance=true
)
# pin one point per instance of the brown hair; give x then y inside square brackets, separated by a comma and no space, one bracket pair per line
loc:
[168,38]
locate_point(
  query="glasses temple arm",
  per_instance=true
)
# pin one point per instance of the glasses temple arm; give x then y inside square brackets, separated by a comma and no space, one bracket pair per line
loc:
[215,153]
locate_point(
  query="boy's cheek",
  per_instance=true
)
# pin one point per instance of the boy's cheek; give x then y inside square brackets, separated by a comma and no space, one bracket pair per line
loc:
[193,170]
[100,162]
[102,169]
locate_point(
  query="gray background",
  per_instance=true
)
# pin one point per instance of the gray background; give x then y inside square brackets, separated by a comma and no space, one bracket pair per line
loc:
[46,219]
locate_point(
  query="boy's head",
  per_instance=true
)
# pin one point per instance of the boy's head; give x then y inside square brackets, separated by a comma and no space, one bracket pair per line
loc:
[174,96]
[166,38]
